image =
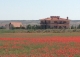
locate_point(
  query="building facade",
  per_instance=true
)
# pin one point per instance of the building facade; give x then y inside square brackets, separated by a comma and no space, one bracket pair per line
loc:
[55,22]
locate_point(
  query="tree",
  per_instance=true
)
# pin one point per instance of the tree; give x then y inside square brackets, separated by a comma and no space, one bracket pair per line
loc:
[72,27]
[29,26]
[2,27]
[38,27]
[34,27]
[78,26]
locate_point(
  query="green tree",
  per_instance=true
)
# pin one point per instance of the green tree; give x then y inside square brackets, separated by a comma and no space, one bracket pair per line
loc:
[29,26]
[72,27]
[34,27]
[78,26]
[2,27]
[38,27]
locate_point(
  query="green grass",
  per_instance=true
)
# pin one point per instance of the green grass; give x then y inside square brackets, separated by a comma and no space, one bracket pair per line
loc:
[33,35]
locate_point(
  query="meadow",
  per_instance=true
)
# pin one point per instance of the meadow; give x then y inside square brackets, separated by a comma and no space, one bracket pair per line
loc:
[40,44]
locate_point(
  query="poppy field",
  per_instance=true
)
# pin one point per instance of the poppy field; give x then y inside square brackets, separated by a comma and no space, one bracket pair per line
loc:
[40,45]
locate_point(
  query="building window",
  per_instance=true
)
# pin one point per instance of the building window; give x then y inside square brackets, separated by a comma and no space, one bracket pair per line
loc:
[49,22]
[64,27]
[42,22]
[60,27]
[48,27]
[60,22]
[64,22]
[55,27]
[55,22]
[45,22]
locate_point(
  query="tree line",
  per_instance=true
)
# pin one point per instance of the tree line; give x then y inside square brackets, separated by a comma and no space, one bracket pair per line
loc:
[33,27]
[39,27]
[75,27]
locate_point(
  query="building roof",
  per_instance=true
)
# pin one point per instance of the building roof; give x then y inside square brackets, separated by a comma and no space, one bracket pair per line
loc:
[55,18]
[16,24]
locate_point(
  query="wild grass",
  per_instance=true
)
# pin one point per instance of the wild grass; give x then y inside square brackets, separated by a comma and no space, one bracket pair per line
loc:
[37,35]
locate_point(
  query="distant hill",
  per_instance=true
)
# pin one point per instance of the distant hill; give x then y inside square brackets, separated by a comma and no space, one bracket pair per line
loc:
[33,22]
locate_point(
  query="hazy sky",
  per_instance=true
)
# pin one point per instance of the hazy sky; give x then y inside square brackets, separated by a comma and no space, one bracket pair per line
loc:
[37,9]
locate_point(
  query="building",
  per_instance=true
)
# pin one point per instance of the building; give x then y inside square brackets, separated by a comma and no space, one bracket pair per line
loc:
[55,22]
[12,25]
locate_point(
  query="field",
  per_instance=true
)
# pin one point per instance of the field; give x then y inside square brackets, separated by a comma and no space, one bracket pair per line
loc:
[40,44]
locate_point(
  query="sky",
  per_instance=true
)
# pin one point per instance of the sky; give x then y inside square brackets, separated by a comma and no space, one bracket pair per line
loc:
[38,9]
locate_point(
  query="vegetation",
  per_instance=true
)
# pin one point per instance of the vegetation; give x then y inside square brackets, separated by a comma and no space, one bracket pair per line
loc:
[2,27]
[33,27]
[72,27]
[75,27]
[78,26]
[39,30]
[36,35]
[47,43]
[39,45]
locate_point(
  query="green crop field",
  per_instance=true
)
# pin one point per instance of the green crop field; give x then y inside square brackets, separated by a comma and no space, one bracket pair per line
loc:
[24,35]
